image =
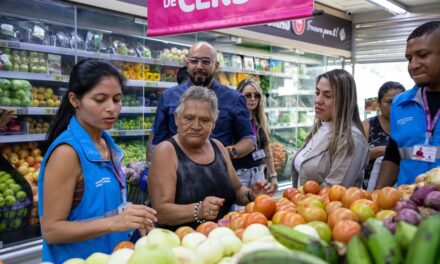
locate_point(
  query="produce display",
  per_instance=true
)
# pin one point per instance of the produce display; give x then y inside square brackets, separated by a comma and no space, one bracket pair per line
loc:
[44,97]
[309,224]
[173,54]
[134,150]
[15,93]
[139,122]
[139,71]
[279,157]
[37,125]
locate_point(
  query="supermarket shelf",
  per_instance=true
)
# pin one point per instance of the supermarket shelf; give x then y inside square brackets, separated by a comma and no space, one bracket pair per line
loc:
[65,78]
[129,133]
[84,53]
[53,110]
[22,138]
[255,72]
[41,137]
[34,76]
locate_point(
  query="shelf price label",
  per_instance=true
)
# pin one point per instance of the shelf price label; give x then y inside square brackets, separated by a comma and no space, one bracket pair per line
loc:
[50,111]
[150,84]
[60,78]
[153,110]
[22,111]
[9,44]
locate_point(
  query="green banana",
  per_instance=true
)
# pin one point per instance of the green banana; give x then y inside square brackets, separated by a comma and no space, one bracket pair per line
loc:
[381,243]
[425,246]
[404,234]
[357,251]
[296,240]
[279,256]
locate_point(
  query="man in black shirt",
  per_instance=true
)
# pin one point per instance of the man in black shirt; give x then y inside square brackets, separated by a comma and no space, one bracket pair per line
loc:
[414,113]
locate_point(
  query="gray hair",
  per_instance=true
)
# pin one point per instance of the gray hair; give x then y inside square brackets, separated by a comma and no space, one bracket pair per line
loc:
[199,93]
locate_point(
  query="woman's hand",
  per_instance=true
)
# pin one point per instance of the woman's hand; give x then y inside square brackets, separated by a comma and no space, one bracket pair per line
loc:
[274,183]
[134,216]
[210,207]
[262,187]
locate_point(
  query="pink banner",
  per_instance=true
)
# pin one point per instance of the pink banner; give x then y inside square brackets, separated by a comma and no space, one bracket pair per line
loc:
[167,17]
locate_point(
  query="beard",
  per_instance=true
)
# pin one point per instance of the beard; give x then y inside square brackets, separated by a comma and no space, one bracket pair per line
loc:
[204,80]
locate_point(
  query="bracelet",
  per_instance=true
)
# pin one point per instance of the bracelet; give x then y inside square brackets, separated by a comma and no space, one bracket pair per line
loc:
[249,195]
[196,217]
[274,176]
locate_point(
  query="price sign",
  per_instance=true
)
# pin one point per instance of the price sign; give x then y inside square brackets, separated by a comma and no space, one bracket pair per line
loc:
[50,111]
[22,111]
[150,84]
[153,110]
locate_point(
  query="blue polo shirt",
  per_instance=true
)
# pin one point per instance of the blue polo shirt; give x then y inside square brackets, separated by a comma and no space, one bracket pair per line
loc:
[233,123]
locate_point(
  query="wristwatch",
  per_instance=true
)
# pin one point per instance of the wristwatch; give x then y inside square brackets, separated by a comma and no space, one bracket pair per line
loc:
[233,153]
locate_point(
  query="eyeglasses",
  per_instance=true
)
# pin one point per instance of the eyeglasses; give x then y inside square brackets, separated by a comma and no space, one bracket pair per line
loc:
[205,60]
[254,95]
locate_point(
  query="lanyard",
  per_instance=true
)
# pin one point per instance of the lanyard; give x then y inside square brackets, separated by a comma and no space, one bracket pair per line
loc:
[430,123]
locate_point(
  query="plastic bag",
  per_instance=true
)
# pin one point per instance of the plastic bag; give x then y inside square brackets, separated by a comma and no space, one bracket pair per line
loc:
[76,39]
[93,40]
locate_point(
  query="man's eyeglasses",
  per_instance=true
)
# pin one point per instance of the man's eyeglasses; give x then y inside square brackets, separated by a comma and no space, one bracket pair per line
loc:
[254,95]
[205,61]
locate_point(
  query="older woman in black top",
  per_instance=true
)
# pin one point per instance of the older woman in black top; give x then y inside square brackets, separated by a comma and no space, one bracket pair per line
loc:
[191,178]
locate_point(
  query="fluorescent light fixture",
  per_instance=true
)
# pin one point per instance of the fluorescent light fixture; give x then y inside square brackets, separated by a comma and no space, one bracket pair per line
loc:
[390,6]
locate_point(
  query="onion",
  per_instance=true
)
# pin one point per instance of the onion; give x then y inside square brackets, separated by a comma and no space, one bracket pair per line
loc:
[405,204]
[409,216]
[420,194]
[390,224]
[433,200]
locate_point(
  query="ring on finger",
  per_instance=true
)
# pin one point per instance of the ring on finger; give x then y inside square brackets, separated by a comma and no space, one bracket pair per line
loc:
[210,212]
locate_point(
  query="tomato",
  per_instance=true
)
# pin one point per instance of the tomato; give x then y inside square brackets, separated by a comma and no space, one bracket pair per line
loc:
[310,202]
[123,244]
[289,192]
[283,200]
[374,195]
[256,218]
[388,197]
[238,222]
[297,197]
[249,207]
[239,232]
[286,207]
[345,230]
[332,206]
[266,205]
[336,192]
[363,211]
[206,227]
[313,214]
[231,215]
[311,187]
[370,203]
[183,230]
[324,192]
[288,219]
[367,195]
[351,194]
[339,215]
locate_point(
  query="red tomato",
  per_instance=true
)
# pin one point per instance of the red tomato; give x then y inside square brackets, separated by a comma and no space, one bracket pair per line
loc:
[388,197]
[183,231]
[256,218]
[238,222]
[340,214]
[288,219]
[266,205]
[286,207]
[289,192]
[336,192]
[352,194]
[311,187]
[249,207]
[345,230]
[124,244]
[206,227]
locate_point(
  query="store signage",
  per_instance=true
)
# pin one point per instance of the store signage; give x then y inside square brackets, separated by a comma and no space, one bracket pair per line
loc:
[167,17]
[325,30]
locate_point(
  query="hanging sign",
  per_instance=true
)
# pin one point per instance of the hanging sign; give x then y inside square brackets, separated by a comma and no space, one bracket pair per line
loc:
[167,17]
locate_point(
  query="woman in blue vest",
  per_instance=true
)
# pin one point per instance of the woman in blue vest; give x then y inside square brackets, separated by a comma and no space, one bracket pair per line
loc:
[82,190]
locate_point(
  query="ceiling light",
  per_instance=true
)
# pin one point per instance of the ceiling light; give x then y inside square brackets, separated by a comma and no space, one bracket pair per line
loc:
[390,6]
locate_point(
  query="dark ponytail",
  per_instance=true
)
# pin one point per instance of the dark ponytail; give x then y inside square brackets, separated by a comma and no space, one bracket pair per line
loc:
[85,75]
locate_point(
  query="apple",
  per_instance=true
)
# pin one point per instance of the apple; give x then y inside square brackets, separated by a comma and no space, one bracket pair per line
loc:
[97,258]
[192,240]
[159,237]
[36,152]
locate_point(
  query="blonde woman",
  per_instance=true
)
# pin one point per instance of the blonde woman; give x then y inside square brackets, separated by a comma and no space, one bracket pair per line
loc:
[251,167]
[335,151]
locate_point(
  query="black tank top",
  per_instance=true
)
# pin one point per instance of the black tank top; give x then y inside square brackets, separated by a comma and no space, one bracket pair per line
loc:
[196,181]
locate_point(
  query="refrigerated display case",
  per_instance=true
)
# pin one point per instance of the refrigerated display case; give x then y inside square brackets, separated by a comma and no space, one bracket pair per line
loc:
[38,51]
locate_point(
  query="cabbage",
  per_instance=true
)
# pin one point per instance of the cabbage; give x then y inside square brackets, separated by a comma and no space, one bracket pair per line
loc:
[21,85]
[5,84]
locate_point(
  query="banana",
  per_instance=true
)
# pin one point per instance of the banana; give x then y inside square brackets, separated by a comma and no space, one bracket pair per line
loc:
[381,243]
[296,240]
[425,246]
[357,252]
[404,234]
[279,256]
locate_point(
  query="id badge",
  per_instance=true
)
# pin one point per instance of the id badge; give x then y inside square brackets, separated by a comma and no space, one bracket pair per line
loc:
[424,153]
[259,154]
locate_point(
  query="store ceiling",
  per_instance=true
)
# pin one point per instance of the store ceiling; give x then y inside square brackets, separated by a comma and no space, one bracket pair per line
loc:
[360,6]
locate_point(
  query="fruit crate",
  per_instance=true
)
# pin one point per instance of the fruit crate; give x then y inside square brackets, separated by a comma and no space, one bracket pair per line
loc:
[15,199]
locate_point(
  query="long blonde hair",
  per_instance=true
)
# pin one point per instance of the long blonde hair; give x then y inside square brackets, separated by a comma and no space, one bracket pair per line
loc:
[345,112]
[259,111]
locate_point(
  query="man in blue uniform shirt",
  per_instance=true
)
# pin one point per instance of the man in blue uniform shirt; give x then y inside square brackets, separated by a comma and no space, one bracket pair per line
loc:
[233,127]
[414,124]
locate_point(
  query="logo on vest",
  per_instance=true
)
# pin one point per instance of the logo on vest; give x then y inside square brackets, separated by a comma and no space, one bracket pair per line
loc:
[405,120]
[102,181]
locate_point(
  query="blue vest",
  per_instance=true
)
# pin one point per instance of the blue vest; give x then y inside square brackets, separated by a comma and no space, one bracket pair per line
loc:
[408,128]
[102,193]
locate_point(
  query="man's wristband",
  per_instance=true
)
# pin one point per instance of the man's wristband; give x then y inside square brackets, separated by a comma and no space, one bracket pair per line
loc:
[233,153]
